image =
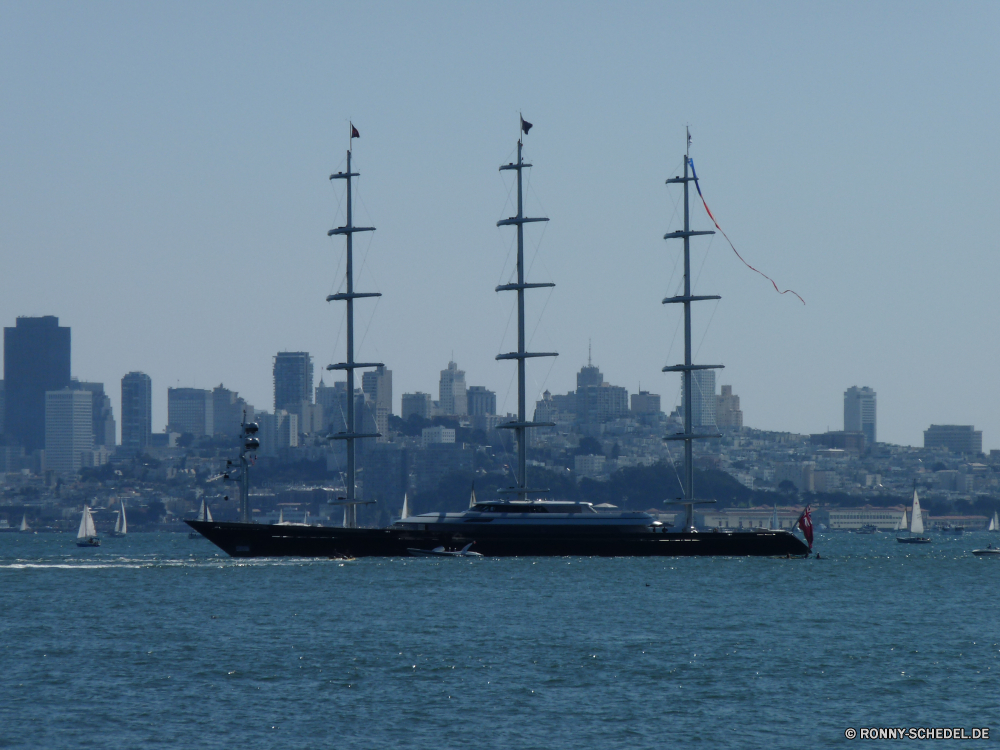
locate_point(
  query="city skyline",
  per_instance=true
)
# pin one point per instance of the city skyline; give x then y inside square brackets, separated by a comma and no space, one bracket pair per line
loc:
[797,120]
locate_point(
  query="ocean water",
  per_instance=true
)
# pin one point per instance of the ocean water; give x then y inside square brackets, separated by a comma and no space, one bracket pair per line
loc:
[158,640]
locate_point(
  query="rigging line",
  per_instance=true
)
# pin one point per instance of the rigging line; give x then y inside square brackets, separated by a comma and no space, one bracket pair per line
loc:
[506,260]
[538,321]
[709,212]
[673,465]
[510,316]
[370,319]
[536,253]
[715,307]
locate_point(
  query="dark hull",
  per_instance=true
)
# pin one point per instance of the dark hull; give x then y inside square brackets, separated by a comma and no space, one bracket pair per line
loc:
[261,540]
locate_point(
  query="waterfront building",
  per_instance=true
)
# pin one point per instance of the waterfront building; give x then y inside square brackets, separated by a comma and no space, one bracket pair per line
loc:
[277,431]
[645,402]
[481,401]
[884,519]
[588,466]
[69,429]
[432,463]
[452,392]
[727,410]
[137,411]
[190,410]
[417,403]
[293,380]
[957,438]
[36,360]
[859,412]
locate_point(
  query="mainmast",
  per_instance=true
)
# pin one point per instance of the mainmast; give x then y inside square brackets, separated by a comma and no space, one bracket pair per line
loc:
[522,425]
[349,365]
[687,368]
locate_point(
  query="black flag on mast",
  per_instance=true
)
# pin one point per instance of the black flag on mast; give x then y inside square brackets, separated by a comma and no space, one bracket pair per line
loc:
[525,125]
[354,132]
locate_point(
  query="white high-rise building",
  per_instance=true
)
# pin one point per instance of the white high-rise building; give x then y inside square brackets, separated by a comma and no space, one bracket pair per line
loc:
[69,429]
[452,392]
[859,412]
[703,401]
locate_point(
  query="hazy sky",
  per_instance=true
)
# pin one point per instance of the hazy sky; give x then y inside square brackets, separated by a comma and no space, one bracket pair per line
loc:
[164,192]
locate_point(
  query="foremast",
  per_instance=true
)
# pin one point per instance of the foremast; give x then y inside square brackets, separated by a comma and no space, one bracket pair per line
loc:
[522,425]
[689,435]
[349,365]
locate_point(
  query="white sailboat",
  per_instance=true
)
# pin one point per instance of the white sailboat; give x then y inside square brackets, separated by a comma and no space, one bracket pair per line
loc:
[24,523]
[472,497]
[87,534]
[204,514]
[901,526]
[916,524]
[121,523]
[994,523]
[406,507]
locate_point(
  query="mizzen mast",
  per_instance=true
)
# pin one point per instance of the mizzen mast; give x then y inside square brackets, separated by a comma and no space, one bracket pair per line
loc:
[349,365]
[522,425]
[687,368]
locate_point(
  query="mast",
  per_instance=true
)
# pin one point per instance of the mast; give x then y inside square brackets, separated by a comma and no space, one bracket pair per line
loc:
[687,368]
[522,425]
[349,365]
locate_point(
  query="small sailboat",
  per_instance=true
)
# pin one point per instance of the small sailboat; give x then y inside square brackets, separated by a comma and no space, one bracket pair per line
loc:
[472,497]
[916,524]
[24,523]
[901,526]
[87,535]
[405,513]
[204,514]
[994,523]
[121,523]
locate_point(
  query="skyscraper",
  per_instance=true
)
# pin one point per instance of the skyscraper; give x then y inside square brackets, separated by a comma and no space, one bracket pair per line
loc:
[293,381]
[191,410]
[727,410]
[137,411]
[36,359]
[377,386]
[702,398]
[69,429]
[103,416]
[859,412]
[452,393]
[481,401]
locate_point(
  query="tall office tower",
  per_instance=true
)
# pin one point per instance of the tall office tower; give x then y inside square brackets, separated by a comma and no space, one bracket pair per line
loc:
[727,410]
[137,412]
[35,360]
[417,403]
[104,417]
[451,392]
[190,410]
[481,401]
[69,429]
[293,381]
[702,398]
[859,412]
[228,410]
[377,386]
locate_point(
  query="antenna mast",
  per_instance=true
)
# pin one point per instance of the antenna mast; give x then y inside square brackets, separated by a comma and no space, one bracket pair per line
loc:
[687,368]
[349,365]
[522,425]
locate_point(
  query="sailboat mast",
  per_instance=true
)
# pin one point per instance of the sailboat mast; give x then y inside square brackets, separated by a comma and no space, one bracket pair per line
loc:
[687,369]
[349,365]
[522,425]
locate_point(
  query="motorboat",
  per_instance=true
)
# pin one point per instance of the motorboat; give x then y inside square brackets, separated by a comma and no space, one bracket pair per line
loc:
[442,552]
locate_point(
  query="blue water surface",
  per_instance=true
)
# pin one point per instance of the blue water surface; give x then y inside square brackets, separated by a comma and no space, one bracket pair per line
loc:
[159,640]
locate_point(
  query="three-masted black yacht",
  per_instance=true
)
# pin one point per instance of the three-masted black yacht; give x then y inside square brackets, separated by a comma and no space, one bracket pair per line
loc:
[521,524]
